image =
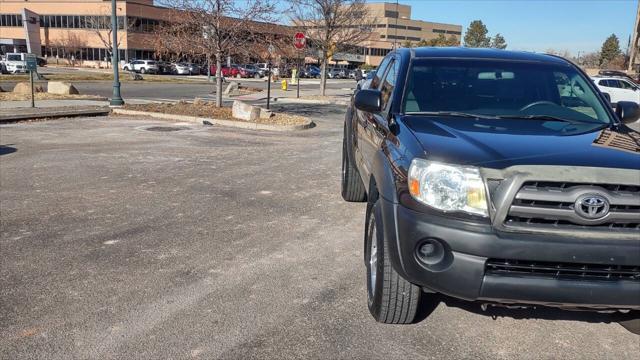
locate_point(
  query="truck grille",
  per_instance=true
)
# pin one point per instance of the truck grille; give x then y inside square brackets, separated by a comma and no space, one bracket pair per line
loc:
[561,270]
[553,205]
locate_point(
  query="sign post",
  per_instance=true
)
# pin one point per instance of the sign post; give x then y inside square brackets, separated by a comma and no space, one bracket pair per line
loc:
[299,41]
[32,65]
[271,49]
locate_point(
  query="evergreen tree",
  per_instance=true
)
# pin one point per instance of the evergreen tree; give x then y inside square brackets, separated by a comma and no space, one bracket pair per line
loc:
[610,50]
[498,42]
[476,35]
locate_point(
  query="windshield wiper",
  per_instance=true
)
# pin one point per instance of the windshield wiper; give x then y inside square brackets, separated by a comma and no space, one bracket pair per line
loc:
[546,118]
[451,113]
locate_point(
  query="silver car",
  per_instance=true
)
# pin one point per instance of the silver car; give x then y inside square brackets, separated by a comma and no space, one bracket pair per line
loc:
[142,66]
[185,69]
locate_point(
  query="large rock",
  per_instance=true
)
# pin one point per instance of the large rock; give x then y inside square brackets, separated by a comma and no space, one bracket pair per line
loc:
[25,88]
[243,111]
[61,88]
[232,88]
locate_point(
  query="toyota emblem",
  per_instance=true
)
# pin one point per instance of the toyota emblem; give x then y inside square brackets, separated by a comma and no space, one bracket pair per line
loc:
[592,206]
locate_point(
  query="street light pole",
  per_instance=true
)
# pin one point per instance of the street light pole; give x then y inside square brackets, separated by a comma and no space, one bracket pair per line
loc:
[116,99]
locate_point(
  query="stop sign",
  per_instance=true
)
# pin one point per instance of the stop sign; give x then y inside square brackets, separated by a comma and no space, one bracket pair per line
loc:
[299,41]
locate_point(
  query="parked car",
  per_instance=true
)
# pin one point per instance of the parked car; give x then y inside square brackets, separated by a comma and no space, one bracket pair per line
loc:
[226,71]
[617,73]
[336,73]
[15,63]
[484,183]
[142,66]
[618,88]
[311,71]
[165,67]
[257,73]
[247,71]
[186,69]
[264,67]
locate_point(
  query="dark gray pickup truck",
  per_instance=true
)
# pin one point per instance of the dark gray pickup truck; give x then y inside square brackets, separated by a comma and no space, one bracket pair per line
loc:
[503,178]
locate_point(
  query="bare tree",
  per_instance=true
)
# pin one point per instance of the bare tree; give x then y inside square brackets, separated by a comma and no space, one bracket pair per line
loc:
[72,44]
[102,27]
[212,28]
[332,26]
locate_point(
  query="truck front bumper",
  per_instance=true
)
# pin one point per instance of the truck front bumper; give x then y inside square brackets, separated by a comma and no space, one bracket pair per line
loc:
[468,248]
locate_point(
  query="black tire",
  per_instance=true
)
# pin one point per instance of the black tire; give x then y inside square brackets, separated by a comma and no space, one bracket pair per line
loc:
[351,185]
[143,71]
[126,68]
[391,298]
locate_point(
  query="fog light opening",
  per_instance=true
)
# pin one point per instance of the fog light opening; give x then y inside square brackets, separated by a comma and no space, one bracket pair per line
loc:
[430,251]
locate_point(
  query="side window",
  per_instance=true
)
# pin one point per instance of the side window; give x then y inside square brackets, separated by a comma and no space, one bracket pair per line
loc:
[626,85]
[572,94]
[375,83]
[614,84]
[388,84]
[604,83]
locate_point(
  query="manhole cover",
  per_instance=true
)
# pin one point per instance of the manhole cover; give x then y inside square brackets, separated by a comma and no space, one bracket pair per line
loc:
[166,128]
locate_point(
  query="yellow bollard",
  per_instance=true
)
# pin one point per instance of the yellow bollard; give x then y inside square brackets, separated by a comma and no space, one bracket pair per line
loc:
[284,85]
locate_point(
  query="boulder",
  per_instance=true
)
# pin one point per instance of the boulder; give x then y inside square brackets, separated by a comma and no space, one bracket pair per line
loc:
[243,111]
[25,88]
[61,88]
[200,102]
[232,88]
[266,114]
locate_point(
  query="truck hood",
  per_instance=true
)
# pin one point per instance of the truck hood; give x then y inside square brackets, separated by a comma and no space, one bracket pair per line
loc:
[503,143]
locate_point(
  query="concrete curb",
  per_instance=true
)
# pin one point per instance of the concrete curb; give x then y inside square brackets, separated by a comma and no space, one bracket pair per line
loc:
[288,100]
[208,121]
[49,114]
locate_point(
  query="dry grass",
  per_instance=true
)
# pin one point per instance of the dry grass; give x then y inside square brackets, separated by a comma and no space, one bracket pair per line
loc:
[209,110]
[10,96]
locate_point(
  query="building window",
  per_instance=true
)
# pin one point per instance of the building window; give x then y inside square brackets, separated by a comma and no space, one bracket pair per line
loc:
[391,14]
[10,20]
[439,31]
[393,26]
[454,32]
[414,28]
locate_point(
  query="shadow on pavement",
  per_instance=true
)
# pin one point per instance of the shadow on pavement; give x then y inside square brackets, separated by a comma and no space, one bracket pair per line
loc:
[535,312]
[7,149]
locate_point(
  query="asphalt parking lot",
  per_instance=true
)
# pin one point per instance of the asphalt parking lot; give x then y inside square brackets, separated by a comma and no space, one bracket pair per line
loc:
[210,242]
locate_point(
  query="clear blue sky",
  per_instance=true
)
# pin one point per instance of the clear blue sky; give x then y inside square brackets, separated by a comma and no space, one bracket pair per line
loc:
[537,25]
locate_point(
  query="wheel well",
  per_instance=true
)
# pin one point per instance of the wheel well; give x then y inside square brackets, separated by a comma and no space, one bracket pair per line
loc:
[372,196]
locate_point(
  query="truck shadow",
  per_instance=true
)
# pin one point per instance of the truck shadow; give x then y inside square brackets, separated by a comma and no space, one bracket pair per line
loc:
[521,312]
[7,149]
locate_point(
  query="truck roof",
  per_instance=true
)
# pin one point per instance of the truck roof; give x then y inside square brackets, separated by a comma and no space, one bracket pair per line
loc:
[482,53]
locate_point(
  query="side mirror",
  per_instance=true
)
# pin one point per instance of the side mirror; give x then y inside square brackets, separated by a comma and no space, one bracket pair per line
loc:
[627,111]
[368,100]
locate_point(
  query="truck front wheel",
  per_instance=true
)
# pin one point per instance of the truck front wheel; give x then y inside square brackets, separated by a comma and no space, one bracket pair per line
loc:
[351,185]
[391,298]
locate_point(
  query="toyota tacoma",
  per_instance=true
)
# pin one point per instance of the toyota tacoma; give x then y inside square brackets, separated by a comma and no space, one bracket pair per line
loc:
[504,178]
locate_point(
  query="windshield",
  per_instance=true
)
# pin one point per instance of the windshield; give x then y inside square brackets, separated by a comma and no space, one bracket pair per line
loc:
[502,89]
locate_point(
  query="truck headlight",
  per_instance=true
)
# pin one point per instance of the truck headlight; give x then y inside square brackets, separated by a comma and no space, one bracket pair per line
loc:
[448,187]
